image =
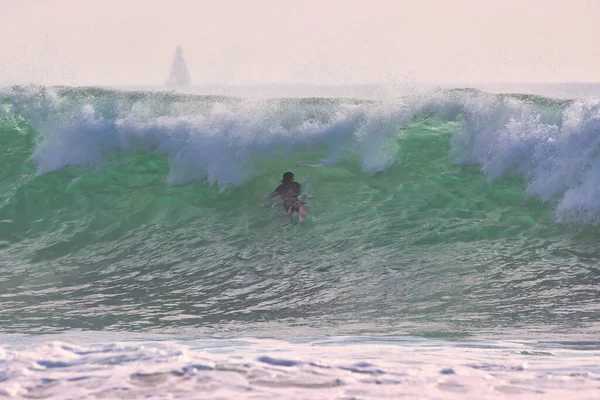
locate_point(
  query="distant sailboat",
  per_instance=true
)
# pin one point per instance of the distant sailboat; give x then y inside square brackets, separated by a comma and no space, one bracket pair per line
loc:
[180,77]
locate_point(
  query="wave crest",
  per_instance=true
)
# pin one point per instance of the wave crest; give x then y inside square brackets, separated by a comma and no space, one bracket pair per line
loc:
[552,144]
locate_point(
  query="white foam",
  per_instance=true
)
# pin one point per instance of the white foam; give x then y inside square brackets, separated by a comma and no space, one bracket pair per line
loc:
[308,369]
[553,147]
[555,150]
[225,144]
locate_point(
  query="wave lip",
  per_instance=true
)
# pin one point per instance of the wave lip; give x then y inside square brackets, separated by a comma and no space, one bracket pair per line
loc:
[552,145]
[224,143]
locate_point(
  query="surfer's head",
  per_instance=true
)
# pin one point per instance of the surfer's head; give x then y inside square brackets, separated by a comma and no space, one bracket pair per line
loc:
[287,177]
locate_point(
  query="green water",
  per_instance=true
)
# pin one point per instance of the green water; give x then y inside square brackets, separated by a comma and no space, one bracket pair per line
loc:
[424,246]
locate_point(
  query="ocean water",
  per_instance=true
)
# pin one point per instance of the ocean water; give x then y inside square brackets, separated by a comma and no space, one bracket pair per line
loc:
[451,250]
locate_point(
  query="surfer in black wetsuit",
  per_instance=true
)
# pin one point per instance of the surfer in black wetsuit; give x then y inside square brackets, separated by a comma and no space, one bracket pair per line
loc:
[289,190]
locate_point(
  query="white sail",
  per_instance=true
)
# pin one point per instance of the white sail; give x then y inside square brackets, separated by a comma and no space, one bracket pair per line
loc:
[180,77]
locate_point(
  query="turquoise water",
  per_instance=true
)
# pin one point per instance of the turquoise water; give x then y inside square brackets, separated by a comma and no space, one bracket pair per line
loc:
[453,215]
[146,211]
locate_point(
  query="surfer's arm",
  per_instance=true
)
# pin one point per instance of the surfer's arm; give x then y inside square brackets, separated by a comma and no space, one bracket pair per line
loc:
[277,192]
[274,194]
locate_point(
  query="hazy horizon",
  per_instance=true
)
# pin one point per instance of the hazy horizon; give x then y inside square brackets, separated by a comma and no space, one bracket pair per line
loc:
[266,42]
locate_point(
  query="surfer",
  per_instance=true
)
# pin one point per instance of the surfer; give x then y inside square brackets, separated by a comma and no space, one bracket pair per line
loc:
[289,190]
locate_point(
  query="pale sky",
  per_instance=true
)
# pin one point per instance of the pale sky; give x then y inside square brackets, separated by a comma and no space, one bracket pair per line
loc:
[132,42]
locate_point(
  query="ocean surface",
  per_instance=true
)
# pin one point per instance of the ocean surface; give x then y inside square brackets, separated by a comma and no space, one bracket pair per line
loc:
[452,247]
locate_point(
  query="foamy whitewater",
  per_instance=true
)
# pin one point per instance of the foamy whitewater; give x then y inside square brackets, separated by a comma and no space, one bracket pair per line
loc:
[451,250]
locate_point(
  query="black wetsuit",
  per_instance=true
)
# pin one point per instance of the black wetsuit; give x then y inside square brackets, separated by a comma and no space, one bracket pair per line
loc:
[289,193]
